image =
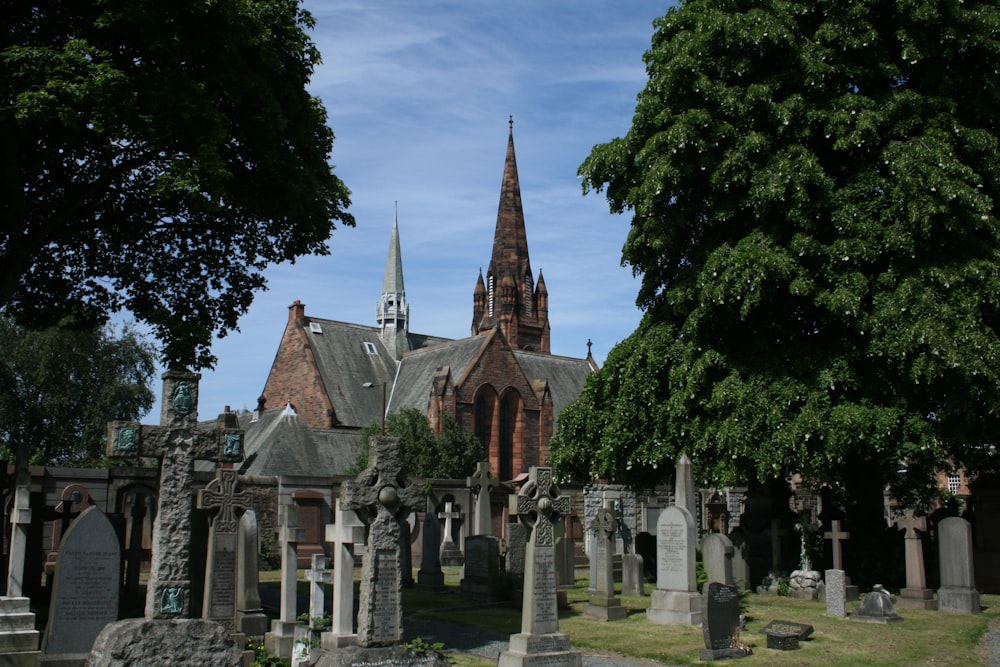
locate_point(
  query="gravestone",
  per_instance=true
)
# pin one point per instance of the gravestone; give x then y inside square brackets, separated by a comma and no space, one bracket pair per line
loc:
[565,556]
[482,482]
[836,594]
[604,606]
[177,442]
[958,586]
[451,553]
[220,570]
[633,575]
[916,595]
[877,608]
[86,586]
[73,499]
[675,601]
[482,565]
[721,623]
[717,557]
[836,536]
[741,558]
[517,541]
[381,495]
[801,630]
[430,576]
[281,639]
[250,617]
[346,531]
[684,489]
[317,575]
[539,505]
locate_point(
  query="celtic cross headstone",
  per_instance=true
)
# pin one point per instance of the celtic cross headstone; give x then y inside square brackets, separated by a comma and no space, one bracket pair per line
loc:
[604,606]
[916,594]
[482,482]
[539,505]
[221,496]
[177,443]
[381,496]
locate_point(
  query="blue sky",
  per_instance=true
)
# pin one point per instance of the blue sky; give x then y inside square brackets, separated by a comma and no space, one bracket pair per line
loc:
[418,95]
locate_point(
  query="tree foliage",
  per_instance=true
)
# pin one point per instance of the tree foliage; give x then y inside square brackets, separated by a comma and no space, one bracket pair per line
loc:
[813,190]
[60,386]
[157,157]
[451,454]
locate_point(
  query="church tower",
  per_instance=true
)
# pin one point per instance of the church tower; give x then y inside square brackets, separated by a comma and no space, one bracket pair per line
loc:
[508,297]
[392,312]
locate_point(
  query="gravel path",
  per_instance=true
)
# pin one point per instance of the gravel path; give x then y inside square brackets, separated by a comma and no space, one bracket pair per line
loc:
[989,646]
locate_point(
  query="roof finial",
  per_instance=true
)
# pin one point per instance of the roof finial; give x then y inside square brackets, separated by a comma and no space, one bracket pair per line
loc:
[510,123]
[588,347]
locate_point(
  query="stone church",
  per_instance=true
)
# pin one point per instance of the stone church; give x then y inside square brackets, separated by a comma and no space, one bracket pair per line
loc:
[330,378]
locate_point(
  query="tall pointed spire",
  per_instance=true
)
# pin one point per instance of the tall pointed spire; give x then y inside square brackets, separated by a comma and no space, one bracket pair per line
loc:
[392,313]
[510,298]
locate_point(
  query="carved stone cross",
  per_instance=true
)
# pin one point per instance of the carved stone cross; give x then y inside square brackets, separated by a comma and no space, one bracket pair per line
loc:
[449,515]
[177,442]
[381,496]
[220,570]
[836,536]
[481,482]
[539,506]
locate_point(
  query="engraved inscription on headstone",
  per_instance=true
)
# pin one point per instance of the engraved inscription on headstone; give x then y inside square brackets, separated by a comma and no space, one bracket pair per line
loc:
[386,608]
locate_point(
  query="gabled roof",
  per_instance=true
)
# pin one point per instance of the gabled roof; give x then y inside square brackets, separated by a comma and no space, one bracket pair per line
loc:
[354,364]
[417,368]
[278,443]
[564,375]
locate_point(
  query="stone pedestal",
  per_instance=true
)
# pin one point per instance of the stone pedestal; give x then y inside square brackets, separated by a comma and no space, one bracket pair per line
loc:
[605,609]
[916,598]
[18,637]
[551,650]
[674,607]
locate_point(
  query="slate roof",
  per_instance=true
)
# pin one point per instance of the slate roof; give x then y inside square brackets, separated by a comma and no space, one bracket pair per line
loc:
[280,444]
[565,376]
[346,365]
[417,368]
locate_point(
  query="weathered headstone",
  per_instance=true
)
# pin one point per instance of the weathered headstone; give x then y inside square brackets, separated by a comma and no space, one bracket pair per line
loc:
[379,495]
[482,564]
[877,607]
[517,541]
[565,556]
[958,584]
[604,606]
[281,639]
[741,558]
[539,504]
[675,601]
[916,595]
[633,575]
[346,531]
[721,623]
[451,553]
[431,577]
[717,557]
[481,482]
[220,570]
[250,617]
[836,595]
[178,442]
[85,588]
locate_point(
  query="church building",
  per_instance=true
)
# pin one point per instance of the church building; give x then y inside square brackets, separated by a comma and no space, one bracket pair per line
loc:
[330,378]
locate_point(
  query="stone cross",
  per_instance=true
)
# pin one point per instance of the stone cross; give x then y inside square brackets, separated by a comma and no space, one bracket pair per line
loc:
[280,640]
[317,575]
[343,534]
[539,505]
[836,536]
[916,594]
[381,496]
[220,570]
[604,606]
[481,482]
[177,442]
[448,515]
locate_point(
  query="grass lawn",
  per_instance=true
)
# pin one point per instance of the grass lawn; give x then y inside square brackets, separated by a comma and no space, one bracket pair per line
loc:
[924,638]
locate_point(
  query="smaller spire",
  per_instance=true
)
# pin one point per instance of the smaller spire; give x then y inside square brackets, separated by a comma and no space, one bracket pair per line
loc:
[510,123]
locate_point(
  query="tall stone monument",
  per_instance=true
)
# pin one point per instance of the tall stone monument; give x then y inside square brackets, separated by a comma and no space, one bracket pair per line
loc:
[381,496]
[346,531]
[250,617]
[539,505]
[482,482]
[221,496]
[916,595]
[675,601]
[604,606]
[281,639]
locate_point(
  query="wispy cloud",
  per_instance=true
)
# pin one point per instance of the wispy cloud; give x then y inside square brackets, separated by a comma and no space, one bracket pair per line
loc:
[418,95]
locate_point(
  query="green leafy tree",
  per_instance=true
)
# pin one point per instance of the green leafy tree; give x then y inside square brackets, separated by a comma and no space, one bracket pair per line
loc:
[157,157]
[812,187]
[60,386]
[451,454]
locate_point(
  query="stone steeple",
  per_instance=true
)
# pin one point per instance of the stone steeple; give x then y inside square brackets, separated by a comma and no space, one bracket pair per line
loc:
[509,299]
[392,312]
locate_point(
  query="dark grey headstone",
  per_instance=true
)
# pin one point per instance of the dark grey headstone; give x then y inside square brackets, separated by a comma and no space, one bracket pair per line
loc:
[85,592]
[782,641]
[801,630]
[721,620]
[431,576]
